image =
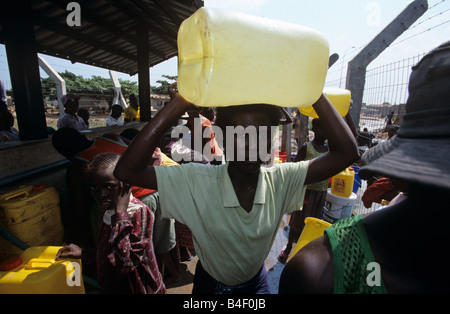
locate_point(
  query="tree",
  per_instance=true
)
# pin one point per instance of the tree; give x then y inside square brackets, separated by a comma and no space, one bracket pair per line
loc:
[129,87]
[98,86]
[94,86]
[164,88]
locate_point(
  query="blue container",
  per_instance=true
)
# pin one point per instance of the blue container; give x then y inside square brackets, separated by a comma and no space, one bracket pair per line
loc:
[357,181]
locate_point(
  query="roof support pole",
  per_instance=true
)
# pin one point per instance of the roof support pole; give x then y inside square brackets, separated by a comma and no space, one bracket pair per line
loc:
[118,96]
[356,73]
[143,53]
[59,81]
[24,69]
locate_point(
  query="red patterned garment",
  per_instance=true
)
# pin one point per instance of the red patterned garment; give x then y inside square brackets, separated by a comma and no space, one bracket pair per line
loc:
[126,261]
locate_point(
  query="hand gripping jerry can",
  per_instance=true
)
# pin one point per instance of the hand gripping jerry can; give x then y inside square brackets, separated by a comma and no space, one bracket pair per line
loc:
[37,271]
[227,59]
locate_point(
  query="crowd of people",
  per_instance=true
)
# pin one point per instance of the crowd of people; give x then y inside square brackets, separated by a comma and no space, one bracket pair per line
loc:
[74,116]
[378,253]
[134,209]
[78,118]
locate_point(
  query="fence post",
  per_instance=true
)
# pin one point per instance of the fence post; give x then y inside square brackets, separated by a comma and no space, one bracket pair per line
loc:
[356,73]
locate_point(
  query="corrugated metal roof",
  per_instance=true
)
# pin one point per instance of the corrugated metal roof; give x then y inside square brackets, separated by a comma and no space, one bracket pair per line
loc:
[107,36]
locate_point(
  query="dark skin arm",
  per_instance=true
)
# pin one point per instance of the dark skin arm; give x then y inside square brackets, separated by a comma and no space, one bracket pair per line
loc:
[309,271]
[133,166]
[351,124]
[301,154]
[341,142]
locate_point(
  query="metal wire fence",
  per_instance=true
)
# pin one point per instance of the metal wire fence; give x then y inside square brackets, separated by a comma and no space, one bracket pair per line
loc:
[386,92]
[385,96]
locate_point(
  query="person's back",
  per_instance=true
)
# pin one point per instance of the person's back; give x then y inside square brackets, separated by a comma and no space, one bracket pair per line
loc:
[115,118]
[131,112]
[70,119]
[401,247]
[389,251]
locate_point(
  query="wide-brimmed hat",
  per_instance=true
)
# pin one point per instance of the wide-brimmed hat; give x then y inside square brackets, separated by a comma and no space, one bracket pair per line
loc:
[420,151]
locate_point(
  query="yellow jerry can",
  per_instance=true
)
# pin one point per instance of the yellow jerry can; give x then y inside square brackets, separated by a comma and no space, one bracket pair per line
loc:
[37,272]
[32,214]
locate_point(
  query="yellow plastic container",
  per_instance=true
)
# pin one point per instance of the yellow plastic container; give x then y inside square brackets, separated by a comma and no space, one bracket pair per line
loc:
[228,58]
[40,273]
[342,183]
[31,214]
[339,97]
[313,229]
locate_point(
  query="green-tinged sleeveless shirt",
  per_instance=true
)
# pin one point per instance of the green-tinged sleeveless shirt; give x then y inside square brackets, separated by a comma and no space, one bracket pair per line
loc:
[351,255]
[312,153]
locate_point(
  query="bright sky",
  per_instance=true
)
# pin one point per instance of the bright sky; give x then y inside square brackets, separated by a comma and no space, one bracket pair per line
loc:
[345,23]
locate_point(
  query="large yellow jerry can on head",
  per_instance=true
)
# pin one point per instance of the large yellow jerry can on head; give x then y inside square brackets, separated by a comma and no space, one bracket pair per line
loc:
[37,272]
[228,58]
[31,214]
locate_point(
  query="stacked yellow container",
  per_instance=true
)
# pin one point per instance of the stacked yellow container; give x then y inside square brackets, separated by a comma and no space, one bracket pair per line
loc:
[32,214]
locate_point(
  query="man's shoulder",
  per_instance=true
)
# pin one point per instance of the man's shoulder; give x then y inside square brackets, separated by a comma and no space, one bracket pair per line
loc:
[310,270]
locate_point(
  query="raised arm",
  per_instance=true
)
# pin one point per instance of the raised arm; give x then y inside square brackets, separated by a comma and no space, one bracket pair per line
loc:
[133,166]
[341,143]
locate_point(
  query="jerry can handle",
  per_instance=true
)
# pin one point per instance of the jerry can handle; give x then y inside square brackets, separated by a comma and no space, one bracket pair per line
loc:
[39,263]
[25,193]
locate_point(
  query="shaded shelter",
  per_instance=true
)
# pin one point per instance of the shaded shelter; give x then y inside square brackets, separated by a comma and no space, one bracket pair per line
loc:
[127,36]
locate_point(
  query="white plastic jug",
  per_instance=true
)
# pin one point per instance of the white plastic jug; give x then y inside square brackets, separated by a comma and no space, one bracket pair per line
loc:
[228,58]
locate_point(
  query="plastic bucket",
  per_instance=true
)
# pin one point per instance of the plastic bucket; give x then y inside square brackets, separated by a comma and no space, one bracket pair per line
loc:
[337,207]
[313,229]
